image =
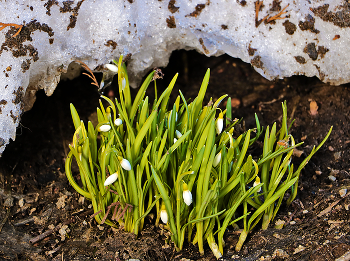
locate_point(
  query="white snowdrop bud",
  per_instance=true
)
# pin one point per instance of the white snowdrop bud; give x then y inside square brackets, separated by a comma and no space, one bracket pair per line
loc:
[123,83]
[257,182]
[124,163]
[178,134]
[186,194]
[175,140]
[111,179]
[219,123]
[217,159]
[112,67]
[104,128]
[118,121]
[164,215]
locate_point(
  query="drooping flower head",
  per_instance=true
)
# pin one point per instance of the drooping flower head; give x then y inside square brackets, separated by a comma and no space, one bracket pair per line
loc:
[220,123]
[111,179]
[186,194]
[163,214]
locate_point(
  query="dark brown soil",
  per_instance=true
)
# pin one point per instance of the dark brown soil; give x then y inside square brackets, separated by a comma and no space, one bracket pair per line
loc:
[35,195]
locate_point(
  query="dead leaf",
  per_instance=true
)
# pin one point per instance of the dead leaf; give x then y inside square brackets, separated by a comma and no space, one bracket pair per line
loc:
[313,108]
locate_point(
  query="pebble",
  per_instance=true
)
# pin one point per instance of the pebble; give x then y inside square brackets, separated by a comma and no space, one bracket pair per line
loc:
[299,249]
[343,192]
[279,224]
[280,253]
[337,155]
[21,202]
[8,202]
[332,178]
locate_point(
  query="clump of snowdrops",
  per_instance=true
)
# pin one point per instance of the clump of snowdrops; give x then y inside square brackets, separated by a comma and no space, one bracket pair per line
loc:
[183,161]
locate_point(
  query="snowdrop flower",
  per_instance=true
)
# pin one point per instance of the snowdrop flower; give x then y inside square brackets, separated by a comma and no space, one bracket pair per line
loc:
[124,163]
[219,123]
[104,128]
[163,214]
[178,134]
[175,140]
[217,159]
[112,67]
[111,179]
[118,121]
[170,117]
[123,83]
[108,112]
[257,182]
[186,194]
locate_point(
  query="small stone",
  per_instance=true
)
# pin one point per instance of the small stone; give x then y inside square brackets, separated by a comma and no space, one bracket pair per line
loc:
[81,200]
[337,155]
[8,202]
[61,202]
[21,202]
[343,192]
[100,227]
[279,224]
[280,253]
[297,153]
[51,226]
[332,178]
[299,249]
[305,211]
[292,222]
[32,211]
[278,236]
[63,232]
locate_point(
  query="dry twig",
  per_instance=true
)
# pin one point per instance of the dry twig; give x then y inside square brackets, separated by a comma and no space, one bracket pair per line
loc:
[3,25]
[50,231]
[277,16]
[90,74]
[267,19]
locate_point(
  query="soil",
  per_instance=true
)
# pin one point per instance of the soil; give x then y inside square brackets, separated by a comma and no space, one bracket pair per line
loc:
[36,198]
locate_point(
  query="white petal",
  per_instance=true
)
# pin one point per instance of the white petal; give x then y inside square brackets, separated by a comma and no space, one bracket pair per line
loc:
[104,128]
[118,121]
[111,179]
[112,67]
[178,134]
[217,159]
[175,140]
[187,195]
[219,125]
[164,216]
[125,164]
[257,182]
[123,83]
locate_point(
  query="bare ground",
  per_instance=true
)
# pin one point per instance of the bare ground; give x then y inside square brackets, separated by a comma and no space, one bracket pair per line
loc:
[37,200]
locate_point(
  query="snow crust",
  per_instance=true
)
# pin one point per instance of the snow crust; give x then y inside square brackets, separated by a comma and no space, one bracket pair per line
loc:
[310,39]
